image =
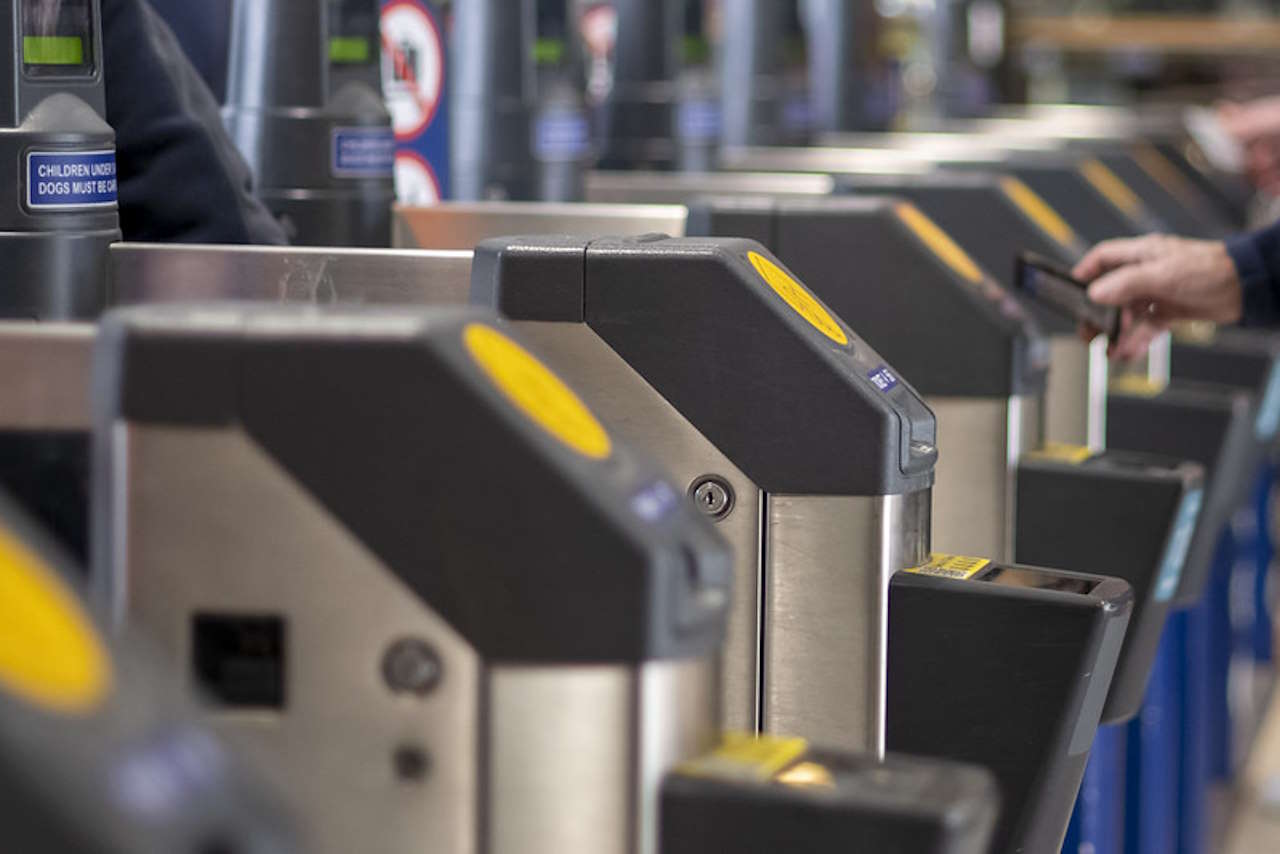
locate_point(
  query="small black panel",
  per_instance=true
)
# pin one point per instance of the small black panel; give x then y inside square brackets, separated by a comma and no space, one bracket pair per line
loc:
[1009,676]
[239,661]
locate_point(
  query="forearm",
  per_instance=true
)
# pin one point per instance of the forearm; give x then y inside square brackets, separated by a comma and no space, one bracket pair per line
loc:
[1256,256]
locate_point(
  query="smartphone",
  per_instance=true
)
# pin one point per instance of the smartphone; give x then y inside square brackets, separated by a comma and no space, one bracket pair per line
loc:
[1054,286]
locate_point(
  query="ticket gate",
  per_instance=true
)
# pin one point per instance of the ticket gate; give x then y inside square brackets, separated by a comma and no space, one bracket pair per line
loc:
[354,44]
[518,126]
[1171,746]
[148,272]
[99,752]
[322,162]
[1228,194]
[60,203]
[499,696]
[1083,190]
[1014,217]
[470,715]
[722,452]
[473,221]
[1248,360]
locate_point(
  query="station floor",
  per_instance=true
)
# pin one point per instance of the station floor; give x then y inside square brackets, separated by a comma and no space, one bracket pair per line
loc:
[1254,826]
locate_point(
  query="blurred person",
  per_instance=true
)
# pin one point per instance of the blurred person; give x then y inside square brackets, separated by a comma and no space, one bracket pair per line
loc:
[181,178]
[1255,125]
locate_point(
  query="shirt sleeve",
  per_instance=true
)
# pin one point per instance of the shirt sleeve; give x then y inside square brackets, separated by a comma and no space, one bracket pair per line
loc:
[181,178]
[1257,259]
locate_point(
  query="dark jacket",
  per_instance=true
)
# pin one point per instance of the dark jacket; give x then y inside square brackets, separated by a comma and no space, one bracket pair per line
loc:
[1257,259]
[180,176]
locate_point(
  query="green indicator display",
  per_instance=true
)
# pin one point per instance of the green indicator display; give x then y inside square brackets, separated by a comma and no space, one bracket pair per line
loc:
[349,50]
[548,51]
[52,50]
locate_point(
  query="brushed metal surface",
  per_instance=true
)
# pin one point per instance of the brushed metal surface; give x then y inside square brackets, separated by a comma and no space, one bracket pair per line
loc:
[979,443]
[836,161]
[1099,377]
[828,561]
[142,273]
[674,188]
[638,413]
[192,497]
[44,375]
[455,225]
[1075,399]
[576,755]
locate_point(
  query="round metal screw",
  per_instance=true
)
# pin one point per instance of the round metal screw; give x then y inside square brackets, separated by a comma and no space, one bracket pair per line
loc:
[411,666]
[713,496]
[411,763]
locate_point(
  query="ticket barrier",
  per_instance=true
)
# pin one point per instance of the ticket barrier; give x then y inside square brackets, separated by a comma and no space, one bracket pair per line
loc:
[1170,745]
[1246,360]
[322,161]
[1163,127]
[963,297]
[458,712]
[1150,521]
[150,269]
[723,453]
[1014,217]
[471,222]
[1084,191]
[1173,199]
[59,203]
[100,751]
[1075,399]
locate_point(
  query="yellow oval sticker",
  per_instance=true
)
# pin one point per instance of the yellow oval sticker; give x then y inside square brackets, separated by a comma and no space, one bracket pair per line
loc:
[536,391]
[798,297]
[939,242]
[1109,185]
[1038,211]
[51,656]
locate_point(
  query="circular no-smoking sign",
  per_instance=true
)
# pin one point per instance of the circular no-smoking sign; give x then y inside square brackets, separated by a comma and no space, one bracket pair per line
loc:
[412,67]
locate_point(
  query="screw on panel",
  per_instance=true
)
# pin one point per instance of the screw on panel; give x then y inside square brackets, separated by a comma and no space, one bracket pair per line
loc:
[411,666]
[713,495]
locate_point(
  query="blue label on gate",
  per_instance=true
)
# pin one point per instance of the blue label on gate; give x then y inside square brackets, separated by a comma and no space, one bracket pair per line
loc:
[1175,551]
[59,180]
[1268,420]
[883,378]
[561,135]
[361,152]
[699,121]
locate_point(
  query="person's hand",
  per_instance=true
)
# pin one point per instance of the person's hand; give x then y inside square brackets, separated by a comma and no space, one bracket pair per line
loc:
[1156,280]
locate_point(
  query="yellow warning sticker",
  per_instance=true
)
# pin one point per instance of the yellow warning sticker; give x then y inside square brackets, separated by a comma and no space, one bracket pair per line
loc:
[536,391]
[1039,211]
[1154,163]
[51,656]
[939,242]
[1110,186]
[807,775]
[747,757]
[1194,331]
[951,566]
[798,297]
[1062,452]
[1135,384]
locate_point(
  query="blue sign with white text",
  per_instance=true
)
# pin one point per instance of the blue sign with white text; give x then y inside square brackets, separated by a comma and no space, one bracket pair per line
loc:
[360,152]
[57,180]
[883,378]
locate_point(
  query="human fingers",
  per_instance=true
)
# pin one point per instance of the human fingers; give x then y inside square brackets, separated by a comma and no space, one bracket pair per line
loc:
[1108,255]
[1131,283]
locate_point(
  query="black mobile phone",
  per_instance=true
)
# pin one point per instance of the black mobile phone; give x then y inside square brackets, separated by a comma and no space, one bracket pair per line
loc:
[1052,285]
